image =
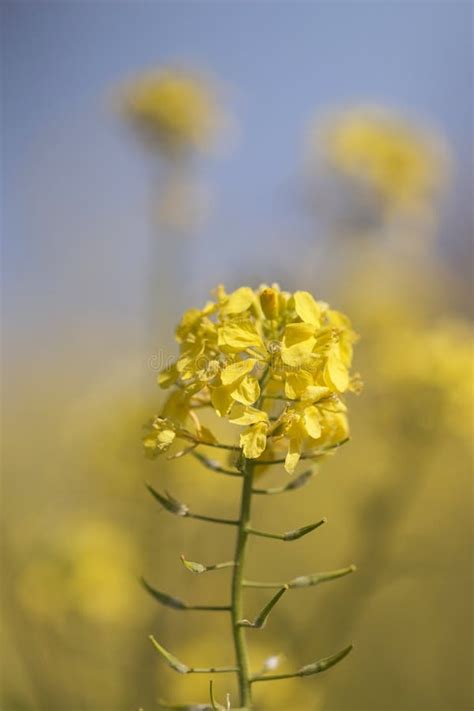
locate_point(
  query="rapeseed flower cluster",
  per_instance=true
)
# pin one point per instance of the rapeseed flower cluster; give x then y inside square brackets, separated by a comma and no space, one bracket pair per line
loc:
[176,109]
[274,363]
[395,161]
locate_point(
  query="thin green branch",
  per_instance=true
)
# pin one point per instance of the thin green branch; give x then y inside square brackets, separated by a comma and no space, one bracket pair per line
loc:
[292,485]
[214,466]
[309,669]
[179,509]
[289,535]
[218,445]
[214,519]
[212,670]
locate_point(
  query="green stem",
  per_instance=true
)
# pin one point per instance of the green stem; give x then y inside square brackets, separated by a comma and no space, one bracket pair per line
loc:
[240,643]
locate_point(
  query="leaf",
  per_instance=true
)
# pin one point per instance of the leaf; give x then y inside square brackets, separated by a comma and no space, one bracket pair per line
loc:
[172,661]
[164,598]
[300,532]
[304,581]
[260,620]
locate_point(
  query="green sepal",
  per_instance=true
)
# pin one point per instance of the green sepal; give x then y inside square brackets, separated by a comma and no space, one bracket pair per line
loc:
[172,661]
[300,532]
[306,581]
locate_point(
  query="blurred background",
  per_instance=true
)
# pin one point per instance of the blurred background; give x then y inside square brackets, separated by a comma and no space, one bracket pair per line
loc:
[149,152]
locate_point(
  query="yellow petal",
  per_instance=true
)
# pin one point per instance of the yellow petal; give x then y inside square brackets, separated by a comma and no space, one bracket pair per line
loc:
[298,343]
[297,383]
[189,320]
[242,415]
[248,391]
[312,421]
[307,308]
[254,440]
[221,400]
[239,336]
[294,454]
[314,393]
[239,301]
[237,370]
[336,375]
[336,318]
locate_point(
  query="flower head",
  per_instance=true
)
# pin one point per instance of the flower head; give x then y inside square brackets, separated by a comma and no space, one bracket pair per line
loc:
[391,161]
[274,363]
[176,109]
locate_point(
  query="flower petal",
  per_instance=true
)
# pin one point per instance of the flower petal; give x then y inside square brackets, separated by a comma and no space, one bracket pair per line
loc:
[254,440]
[237,370]
[248,391]
[307,308]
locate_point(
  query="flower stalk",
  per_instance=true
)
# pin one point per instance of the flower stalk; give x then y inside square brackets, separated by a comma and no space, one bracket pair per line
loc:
[238,631]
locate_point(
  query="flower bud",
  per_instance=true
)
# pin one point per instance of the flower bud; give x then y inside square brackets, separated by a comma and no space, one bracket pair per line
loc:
[269,303]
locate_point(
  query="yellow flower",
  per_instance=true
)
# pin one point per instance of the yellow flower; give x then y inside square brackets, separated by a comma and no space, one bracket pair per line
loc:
[160,436]
[273,362]
[175,108]
[86,571]
[390,159]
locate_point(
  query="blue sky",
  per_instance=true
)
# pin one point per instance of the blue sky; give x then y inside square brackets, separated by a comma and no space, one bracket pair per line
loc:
[76,188]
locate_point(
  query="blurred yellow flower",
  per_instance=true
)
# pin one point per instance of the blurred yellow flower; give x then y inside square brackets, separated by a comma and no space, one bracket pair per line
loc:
[434,367]
[177,109]
[90,572]
[273,362]
[396,163]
